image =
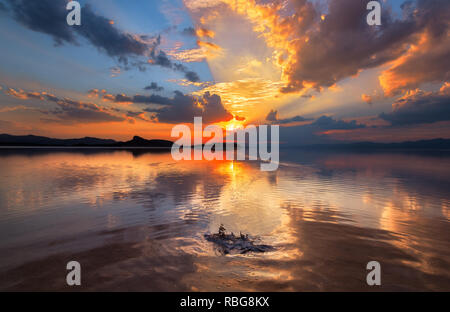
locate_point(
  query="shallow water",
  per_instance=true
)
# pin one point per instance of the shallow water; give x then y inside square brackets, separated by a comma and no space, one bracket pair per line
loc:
[136,220]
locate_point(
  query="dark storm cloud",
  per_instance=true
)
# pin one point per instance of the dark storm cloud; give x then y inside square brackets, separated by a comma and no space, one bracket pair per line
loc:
[272,116]
[189,31]
[103,35]
[343,44]
[329,123]
[49,17]
[183,108]
[3,7]
[46,16]
[313,133]
[429,61]
[139,99]
[418,107]
[160,58]
[179,108]
[192,76]
[154,87]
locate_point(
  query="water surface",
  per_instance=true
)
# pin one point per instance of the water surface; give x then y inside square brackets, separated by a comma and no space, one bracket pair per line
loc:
[136,220]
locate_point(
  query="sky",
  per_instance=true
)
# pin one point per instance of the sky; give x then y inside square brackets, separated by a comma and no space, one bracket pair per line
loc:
[316,68]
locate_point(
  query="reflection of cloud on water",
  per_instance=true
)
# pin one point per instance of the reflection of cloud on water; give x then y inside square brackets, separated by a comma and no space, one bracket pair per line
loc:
[326,215]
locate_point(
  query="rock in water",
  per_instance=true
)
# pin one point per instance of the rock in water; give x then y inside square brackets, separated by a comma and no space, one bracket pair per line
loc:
[230,243]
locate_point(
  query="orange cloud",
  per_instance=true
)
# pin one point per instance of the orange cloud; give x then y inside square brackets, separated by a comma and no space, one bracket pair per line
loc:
[189,56]
[119,98]
[206,50]
[318,50]
[203,32]
[20,94]
[208,45]
[426,61]
[366,98]
[242,96]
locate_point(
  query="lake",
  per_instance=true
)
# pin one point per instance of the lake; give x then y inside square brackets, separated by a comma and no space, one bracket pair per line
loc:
[136,220]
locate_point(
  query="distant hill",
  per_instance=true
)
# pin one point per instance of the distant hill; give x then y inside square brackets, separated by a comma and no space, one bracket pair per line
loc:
[433,144]
[32,140]
[141,142]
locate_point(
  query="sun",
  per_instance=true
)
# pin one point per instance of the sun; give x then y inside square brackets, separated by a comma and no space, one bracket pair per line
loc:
[233,124]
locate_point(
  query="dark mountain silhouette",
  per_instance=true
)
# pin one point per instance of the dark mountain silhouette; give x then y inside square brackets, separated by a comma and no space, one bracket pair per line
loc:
[141,142]
[433,144]
[32,140]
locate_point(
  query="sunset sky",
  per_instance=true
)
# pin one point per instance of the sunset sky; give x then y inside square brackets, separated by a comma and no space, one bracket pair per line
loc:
[140,67]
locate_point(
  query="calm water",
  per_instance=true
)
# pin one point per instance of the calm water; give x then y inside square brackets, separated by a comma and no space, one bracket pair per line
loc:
[135,221]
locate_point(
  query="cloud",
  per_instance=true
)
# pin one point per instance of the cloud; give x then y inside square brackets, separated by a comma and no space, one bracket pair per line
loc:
[139,99]
[272,116]
[242,96]
[208,45]
[95,93]
[107,38]
[189,55]
[45,16]
[319,43]
[3,8]
[341,44]
[6,125]
[13,108]
[188,31]
[21,94]
[419,107]
[329,123]
[205,50]
[427,60]
[367,98]
[192,76]
[49,17]
[154,87]
[315,132]
[81,112]
[159,57]
[183,108]
[200,32]
[179,108]
[69,110]
[203,32]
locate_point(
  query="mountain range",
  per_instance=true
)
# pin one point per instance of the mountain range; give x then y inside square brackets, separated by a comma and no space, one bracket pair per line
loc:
[137,141]
[32,140]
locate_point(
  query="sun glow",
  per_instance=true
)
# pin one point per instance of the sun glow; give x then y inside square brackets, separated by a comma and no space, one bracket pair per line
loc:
[233,124]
